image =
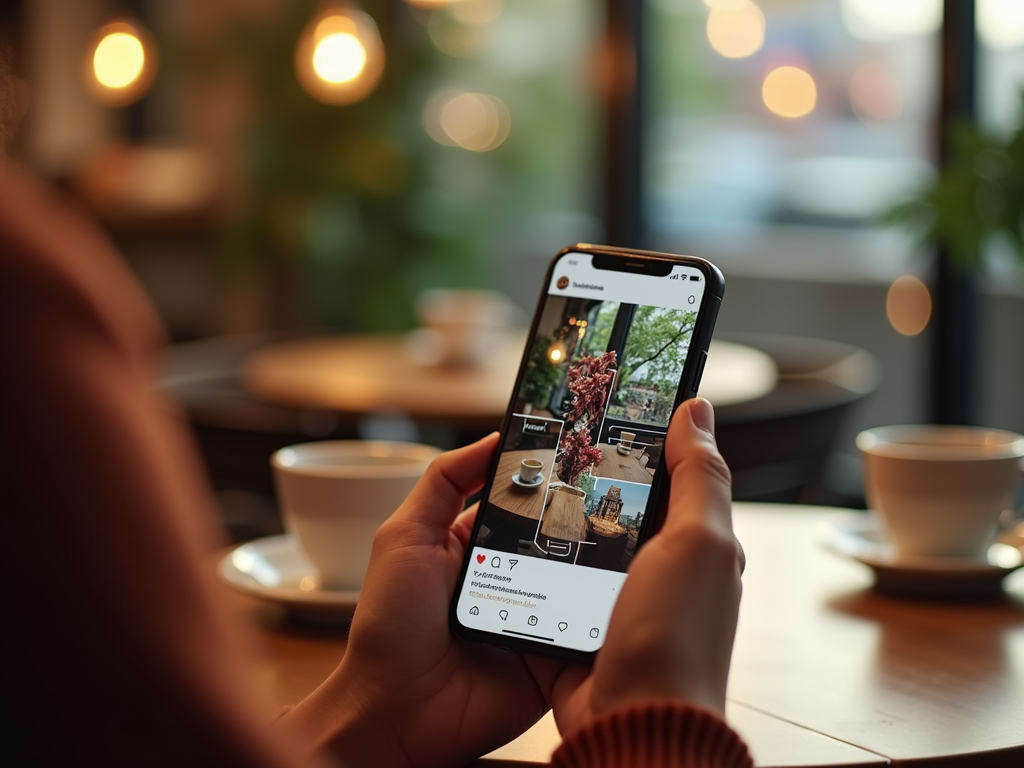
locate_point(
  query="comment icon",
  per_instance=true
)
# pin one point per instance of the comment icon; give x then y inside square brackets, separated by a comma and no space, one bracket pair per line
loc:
[504,615]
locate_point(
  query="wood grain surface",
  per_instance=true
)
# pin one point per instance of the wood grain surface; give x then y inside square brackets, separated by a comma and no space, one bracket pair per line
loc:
[825,671]
[621,466]
[524,502]
[565,517]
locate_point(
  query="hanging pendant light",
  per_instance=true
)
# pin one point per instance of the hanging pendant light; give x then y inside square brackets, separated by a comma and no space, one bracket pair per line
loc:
[120,62]
[339,58]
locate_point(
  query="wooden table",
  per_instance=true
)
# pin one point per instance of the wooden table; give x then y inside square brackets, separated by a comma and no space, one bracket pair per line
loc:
[524,502]
[357,375]
[621,466]
[372,374]
[564,518]
[825,671]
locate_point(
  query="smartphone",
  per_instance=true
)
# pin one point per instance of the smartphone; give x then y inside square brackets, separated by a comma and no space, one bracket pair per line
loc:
[618,340]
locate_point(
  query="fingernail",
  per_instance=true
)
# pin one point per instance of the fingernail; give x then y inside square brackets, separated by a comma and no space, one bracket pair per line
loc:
[702,415]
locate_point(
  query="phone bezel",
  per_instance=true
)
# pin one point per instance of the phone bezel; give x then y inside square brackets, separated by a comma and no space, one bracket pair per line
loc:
[615,259]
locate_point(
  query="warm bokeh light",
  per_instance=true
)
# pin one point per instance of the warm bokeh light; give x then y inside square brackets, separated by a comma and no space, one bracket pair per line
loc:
[880,19]
[908,305]
[461,31]
[1001,23]
[875,94]
[121,63]
[555,354]
[118,60]
[477,12]
[339,58]
[473,121]
[789,92]
[736,32]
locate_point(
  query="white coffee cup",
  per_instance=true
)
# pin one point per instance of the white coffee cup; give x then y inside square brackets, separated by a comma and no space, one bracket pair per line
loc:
[940,490]
[335,494]
[529,469]
[460,327]
[626,440]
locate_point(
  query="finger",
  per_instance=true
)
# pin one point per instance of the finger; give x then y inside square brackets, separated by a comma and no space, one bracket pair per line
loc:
[700,479]
[440,494]
[548,671]
[463,525]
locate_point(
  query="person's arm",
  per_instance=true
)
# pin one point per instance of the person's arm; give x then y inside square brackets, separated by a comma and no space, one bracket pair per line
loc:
[117,650]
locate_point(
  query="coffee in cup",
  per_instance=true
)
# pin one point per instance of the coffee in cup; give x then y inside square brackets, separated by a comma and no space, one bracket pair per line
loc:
[335,494]
[940,490]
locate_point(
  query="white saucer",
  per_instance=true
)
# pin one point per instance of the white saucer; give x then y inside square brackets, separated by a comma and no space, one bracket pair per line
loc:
[276,569]
[861,537]
[523,484]
[623,450]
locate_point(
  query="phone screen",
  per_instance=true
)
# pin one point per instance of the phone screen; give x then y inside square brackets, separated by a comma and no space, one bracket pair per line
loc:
[564,510]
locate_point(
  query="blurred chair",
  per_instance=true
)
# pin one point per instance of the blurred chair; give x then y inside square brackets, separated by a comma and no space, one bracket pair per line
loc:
[237,433]
[779,446]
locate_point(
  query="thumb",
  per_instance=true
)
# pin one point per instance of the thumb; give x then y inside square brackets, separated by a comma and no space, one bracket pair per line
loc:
[441,493]
[700,479]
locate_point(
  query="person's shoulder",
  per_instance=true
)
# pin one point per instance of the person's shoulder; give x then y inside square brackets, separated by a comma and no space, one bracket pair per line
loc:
[54,256]
[39,224]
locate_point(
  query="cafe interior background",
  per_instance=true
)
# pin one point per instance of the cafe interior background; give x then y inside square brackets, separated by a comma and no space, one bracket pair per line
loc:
[260,189]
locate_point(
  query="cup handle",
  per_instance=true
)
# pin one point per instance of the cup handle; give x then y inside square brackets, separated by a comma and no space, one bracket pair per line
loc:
[1011,516]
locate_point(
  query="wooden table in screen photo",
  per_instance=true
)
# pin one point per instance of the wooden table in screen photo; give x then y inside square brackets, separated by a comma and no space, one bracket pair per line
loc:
[621,466]
[523,502]
[564,517]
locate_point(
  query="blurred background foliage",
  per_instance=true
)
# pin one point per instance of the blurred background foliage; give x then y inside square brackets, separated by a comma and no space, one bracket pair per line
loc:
[350,211]
[976,202]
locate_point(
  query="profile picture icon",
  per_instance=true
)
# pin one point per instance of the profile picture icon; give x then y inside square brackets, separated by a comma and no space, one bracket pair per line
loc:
[562,283]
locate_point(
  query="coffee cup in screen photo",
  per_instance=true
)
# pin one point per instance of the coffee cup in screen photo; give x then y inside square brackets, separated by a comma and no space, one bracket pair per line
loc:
[940,490]
[529,469]
[335,494]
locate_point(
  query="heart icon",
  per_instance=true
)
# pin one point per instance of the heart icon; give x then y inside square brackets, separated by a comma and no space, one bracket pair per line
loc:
[481,558]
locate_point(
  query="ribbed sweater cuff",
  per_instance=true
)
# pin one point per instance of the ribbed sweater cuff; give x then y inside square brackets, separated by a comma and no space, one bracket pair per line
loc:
[663,734]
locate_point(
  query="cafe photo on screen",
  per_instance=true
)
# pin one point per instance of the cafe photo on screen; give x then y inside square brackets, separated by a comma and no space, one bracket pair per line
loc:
[587,430]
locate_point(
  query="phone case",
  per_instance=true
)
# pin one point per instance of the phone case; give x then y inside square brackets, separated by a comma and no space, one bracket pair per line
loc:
[620,260]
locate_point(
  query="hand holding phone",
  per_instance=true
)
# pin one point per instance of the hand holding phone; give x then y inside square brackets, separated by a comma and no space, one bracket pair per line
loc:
[618,340]
[406,686]
[671,632]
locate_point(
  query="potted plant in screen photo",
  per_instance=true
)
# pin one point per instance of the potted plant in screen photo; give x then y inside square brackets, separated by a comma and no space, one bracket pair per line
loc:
[589,381]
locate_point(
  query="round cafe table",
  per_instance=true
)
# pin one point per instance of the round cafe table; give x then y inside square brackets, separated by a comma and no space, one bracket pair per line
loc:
[366,374]
[826,671]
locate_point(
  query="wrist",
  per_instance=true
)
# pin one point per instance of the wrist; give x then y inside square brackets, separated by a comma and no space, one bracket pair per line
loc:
[655,734]
[340,718]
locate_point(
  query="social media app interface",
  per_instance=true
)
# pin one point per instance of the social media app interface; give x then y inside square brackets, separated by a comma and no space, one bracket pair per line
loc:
[559,522]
